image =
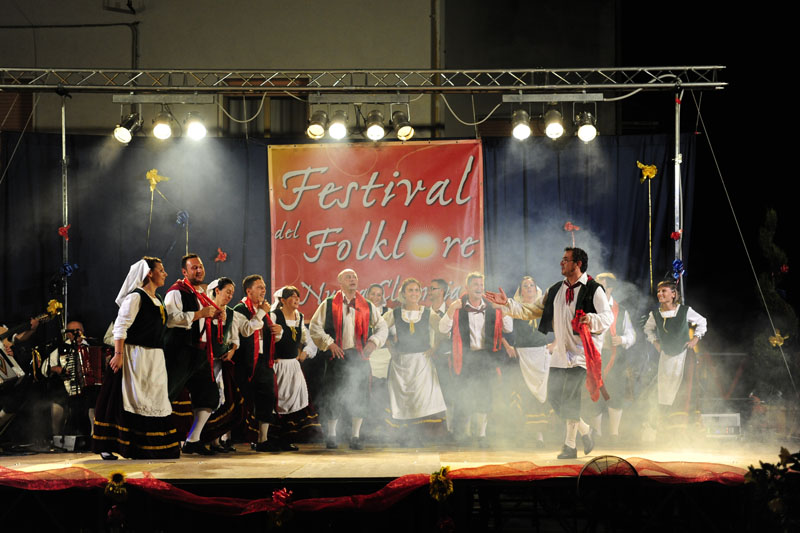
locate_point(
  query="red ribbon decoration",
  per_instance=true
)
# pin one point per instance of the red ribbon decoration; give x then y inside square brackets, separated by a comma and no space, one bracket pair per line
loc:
[63,231]
[675,235]
[185,286]
[257,336]
[594,362]
[569,226]
[221,256]
[361,326]
[784,269]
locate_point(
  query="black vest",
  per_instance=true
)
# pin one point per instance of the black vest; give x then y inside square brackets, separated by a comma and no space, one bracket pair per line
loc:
[244,355]
[526,335]
[673,333]
[150,323]
[186,337]
[420,340]
[330,329]
[585,301]
[489,316]
[287,347]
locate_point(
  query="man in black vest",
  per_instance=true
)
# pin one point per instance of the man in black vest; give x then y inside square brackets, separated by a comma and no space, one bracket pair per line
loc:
[557,308]
[349,328]
[476,330]
[185,348]
[437,296]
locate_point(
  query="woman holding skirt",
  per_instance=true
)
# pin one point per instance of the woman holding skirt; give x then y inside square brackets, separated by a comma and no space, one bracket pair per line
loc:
[132,416]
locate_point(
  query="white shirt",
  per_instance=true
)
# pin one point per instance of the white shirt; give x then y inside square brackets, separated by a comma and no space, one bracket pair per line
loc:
[245,327]
[477,321]
[323,340]
[177,317]
[624,327]
[567,348]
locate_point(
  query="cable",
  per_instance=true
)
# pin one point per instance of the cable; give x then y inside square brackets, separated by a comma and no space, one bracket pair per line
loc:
[635,91]
[296,97]
[24,129]
[10,108]
[484,119]
[744,243]
[245,121]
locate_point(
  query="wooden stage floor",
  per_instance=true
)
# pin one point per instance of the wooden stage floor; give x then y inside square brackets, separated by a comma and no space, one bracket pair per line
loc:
[313,461]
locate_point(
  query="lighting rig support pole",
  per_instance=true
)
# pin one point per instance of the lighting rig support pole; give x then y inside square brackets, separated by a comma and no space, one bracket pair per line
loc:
[64,207]
[678,196]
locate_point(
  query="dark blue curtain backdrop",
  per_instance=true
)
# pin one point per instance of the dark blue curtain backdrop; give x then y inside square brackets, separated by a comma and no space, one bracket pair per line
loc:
[531,190]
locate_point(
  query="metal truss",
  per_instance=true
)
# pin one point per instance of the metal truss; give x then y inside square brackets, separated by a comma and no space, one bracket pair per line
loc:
[508,81]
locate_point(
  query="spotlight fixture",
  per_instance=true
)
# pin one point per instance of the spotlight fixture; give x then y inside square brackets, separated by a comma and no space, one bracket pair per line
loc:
[161,126]
[553,123]
[587,129]
[195,128]
[402,127]
[338,125]
[125,129]
[520,124]
[375,129]
[317,124]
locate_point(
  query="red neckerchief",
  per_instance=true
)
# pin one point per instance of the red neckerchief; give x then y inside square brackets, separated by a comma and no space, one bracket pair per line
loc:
[362,311]
[184,286]
[613,332]
[458,348]
[257,336]
[594,362]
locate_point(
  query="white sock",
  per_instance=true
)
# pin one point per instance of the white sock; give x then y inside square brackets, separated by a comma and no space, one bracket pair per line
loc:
[614,418]
[263,431]
[583,427]
[449,418]
[201,416]
[91,421]
[481,421]
[357,427]
[226,437]
[597,424]
[539,436]
[572,432]
[332,428]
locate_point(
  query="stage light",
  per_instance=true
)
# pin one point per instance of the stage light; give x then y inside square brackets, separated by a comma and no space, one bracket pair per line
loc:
[338,126]
[317,124]
[161,128]
[125,129]
[374,122]
[553,123]
[587,129]
[402,127]
[195,128]
[520,124]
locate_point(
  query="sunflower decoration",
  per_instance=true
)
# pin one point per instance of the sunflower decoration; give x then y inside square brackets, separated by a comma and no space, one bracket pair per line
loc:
[54,307]
[154,178]
[778,339]
[115,488]
[441,486]
[648,171]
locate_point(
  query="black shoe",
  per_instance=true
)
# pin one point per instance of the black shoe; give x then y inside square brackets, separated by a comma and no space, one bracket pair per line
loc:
[331,444]
[108,456]
[568,453]
[196,447]
[268,445]
[227,446]
[356,443]
[287,446]
[218,448]
[483,443]
[588,442]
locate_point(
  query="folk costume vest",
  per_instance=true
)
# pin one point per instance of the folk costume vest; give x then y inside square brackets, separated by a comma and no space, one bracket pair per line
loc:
[673,333]
[418,340]
[150,323]
[291,340]
[334,316]
[584,301]
[492,332]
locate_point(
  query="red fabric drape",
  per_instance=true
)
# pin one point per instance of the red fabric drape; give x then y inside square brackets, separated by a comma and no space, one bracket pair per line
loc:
[594,363]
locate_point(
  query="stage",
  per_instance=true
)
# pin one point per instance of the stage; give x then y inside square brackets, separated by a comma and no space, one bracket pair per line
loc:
[497,489]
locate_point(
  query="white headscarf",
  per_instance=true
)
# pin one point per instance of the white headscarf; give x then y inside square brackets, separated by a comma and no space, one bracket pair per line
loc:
[210,288]
[276,298]
[136,275]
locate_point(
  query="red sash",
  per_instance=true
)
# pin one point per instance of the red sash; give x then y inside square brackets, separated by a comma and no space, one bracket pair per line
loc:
[458,348]
[184,286]
[594,362]
[257,337]
[361,329]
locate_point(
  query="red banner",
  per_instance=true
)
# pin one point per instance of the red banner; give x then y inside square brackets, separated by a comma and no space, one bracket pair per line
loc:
[388,211]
